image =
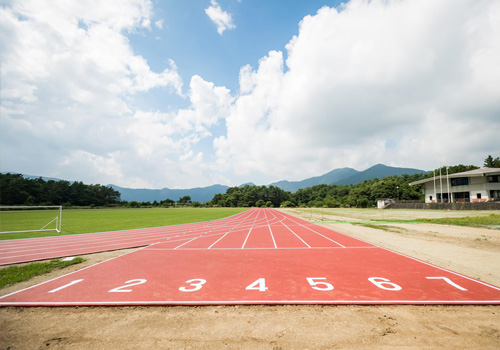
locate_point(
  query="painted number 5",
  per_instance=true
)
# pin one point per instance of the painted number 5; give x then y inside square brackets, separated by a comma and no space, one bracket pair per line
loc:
[195,285]
[319,285]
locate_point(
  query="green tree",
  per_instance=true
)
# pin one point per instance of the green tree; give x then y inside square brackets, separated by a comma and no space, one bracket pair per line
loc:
[489,162]
[260,203]
[134,204]
[184,200]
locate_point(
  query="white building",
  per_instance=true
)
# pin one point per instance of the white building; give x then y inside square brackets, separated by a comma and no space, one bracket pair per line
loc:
[478,185]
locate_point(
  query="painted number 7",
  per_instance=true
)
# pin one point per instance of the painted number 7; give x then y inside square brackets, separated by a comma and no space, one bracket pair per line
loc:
[447,280]
[319,285]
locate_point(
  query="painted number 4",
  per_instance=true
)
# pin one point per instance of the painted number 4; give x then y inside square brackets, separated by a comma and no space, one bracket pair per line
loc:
[259,285]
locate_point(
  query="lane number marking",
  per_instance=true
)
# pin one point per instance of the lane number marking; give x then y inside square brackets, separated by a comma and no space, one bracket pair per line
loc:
[259,285]
[195,283]
[384,283]
[128,284]
[65,286]
[319,285]
[447,280]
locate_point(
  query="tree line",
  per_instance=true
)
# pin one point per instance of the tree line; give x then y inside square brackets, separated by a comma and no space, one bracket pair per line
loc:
[360,195]
[15,189]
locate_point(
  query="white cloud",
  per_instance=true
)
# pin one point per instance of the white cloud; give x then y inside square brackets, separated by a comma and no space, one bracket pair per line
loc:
[419,73]
[69,77]
[401,82]
[159,24]
[221,18]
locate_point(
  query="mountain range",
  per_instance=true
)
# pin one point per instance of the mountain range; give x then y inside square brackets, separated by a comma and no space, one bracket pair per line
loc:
[341,176]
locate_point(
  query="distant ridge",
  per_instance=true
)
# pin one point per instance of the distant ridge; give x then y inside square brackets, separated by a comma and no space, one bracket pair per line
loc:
[377,172]
[346,176]
[198,194]
[329,178]
[341,176]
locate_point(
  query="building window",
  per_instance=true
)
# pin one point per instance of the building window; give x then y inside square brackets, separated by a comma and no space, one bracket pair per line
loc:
[460,181]
[495,195]
[494,178]
[478,196]
[461,196]
[442,197]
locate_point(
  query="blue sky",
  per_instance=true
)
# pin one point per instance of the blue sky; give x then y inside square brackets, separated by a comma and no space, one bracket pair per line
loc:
[180,94]
[190,38]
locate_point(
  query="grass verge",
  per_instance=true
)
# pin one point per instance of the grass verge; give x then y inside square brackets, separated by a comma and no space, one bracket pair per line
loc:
[490,221]
[377,226]
[15,274]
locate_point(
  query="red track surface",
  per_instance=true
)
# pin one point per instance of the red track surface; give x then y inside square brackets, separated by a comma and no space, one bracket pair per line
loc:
[261,256]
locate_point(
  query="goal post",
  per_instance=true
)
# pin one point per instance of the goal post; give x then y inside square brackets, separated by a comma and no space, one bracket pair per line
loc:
[30,218]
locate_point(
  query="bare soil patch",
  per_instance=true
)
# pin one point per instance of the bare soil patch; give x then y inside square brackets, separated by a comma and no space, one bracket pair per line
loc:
[470,251]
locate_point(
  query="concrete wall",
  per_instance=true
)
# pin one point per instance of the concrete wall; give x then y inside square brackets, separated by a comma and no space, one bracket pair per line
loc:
[446,206]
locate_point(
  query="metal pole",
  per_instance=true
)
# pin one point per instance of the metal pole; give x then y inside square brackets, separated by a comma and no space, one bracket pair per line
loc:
[450,199]
[60,219]
[435,193]
[441,184]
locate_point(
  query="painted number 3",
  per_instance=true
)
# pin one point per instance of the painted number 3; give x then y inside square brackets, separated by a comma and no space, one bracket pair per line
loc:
[194,285]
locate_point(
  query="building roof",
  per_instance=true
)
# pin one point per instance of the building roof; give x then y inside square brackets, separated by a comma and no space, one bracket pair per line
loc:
[471,173]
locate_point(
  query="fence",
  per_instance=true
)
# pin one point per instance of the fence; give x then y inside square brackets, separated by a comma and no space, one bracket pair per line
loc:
[447,206]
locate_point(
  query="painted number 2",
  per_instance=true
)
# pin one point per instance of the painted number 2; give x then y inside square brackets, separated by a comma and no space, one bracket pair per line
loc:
[194,285]
[127,285]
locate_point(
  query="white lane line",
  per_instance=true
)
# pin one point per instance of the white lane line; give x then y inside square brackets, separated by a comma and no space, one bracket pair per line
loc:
[218,240]
[233,228]
[268,248]
[310,229]
[296,234]
[255,301]
[186,242]
[271,231]
[251,227]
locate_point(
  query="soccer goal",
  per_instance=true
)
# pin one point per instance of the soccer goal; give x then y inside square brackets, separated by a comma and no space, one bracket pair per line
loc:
[18,219]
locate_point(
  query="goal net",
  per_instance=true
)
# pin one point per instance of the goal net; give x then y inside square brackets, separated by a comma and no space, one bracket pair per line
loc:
[18,219]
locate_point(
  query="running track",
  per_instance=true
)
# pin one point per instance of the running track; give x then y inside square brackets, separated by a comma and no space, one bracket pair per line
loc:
[261,256]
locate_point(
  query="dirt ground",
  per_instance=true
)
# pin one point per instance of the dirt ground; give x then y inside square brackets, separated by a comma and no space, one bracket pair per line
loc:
[471,251]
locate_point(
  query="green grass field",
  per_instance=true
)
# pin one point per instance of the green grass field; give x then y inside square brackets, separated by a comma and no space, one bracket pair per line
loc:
[100,220]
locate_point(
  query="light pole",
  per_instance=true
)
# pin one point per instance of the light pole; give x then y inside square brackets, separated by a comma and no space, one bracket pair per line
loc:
[397,190]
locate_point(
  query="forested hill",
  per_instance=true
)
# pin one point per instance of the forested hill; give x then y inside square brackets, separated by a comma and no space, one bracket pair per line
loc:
[15,189]
[200,194]
[360,195]
[346,176]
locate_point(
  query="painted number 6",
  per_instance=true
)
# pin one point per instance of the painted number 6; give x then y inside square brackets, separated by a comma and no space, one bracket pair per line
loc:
[384,283]
[319,285]
[196,284]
